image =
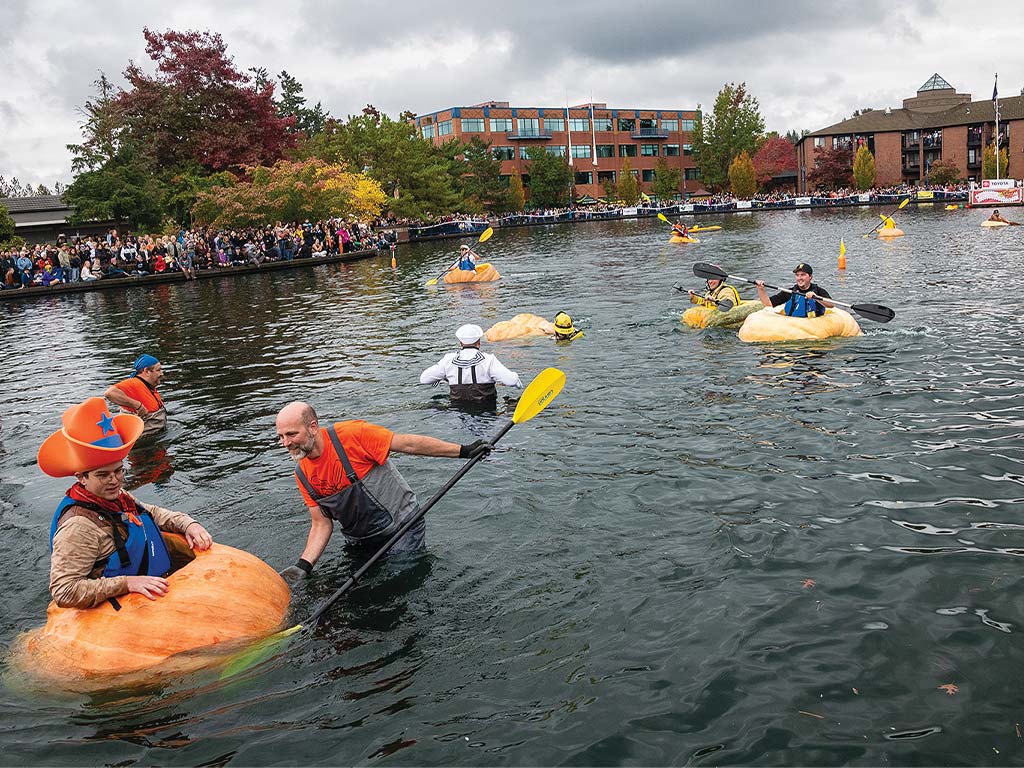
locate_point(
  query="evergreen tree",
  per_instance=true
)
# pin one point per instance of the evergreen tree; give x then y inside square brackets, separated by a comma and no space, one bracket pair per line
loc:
[735,125]
[666,180]
[7,236]
[309,120]
[550,179]
[864,168]
[743,177]
[628,188]
[482,186]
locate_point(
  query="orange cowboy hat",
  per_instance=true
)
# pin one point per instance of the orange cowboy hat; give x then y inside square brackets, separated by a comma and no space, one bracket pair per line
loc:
[89,438]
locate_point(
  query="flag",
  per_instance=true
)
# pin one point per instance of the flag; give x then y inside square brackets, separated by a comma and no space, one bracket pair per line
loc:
[995,90]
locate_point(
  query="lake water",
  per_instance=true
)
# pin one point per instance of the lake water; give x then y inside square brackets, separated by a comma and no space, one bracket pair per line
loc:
[703,552]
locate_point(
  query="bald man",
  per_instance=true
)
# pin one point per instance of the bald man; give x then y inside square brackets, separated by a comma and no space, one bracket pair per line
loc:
[343,474]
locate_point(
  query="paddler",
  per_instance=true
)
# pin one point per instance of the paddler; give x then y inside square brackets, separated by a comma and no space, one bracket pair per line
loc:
[344,474]
[470,373]
[996,216]
[138,394]
[467,259]
[810,302]
[104,543]
[680,229]
[717,290]
[564,329]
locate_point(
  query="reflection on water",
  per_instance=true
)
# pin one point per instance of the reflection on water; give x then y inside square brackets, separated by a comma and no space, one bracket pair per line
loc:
[704,552]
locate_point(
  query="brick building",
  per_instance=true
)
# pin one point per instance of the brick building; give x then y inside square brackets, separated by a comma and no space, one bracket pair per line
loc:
[937,123]
[597,138]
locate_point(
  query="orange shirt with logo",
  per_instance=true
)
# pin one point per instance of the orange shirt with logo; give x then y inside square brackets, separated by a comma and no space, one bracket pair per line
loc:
[366,446]
[136,389]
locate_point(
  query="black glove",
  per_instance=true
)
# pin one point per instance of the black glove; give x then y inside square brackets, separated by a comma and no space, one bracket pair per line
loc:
[297,573]
[474,449]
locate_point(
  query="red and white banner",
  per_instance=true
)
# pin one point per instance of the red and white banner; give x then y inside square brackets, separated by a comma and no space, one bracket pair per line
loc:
[985,196]
[998,183]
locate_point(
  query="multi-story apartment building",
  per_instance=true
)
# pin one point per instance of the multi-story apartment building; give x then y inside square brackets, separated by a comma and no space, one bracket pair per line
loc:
[594,138]
[936,124]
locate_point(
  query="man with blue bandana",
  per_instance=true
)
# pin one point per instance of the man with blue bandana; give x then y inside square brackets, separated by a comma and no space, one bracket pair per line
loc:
[137,394]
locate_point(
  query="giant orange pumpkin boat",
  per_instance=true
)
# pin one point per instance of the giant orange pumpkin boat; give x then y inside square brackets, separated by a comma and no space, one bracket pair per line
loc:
[220,601]
[484,273]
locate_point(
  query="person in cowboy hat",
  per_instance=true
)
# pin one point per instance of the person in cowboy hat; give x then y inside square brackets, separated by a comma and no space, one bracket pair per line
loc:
[717,290]
[467,259]
[137,394]
[104,543]
[564,329]
[470,373]
[805,299]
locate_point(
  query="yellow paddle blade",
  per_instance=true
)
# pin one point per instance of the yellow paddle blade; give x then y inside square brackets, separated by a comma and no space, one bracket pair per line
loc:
[486,234]
[664,218]
[904,203]
[257,652]
[541,391]
[432,281]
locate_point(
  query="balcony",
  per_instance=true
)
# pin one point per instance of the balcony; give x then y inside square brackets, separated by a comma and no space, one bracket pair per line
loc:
[913,169]
[974,139]
[648,133]
[528,135]
[909,144]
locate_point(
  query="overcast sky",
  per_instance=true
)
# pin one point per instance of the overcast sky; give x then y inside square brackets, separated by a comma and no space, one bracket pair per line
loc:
[809,63]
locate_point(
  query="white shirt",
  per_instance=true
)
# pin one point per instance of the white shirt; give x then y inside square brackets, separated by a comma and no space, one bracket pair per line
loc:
[487,367]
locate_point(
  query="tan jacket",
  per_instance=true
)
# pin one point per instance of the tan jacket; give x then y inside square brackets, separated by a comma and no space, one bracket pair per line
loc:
[79,542]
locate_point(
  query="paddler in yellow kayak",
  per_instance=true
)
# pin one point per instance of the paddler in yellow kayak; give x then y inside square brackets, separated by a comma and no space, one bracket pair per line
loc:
[680,229]
[717,290]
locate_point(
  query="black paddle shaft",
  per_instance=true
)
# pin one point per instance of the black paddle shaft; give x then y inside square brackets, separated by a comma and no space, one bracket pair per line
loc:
[876,312]
[723,306]
[355,577]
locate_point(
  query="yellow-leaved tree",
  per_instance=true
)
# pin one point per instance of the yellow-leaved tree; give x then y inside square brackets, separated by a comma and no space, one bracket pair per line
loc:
[743,177]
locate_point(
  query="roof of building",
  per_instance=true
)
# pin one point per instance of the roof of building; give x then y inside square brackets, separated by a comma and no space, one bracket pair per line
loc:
[936,83]
[879,121]
[34,203]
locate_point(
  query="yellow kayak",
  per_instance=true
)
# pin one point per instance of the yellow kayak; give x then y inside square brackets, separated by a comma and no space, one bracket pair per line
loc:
[711,228]
[677,239]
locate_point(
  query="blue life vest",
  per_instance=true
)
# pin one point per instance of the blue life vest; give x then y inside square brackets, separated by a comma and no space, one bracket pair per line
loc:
[799,305]
[467,265]
[142,554]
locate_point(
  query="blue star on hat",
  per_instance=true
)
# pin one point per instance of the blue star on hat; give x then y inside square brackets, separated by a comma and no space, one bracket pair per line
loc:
[106,423]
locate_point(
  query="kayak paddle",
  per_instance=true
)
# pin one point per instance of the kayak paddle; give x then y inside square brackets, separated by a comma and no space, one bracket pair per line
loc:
[886,218]
[875,312]
[484,237]
[723,306]
[535,398]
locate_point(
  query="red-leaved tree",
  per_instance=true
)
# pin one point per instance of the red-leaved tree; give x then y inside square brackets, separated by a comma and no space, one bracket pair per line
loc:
[833,168]
[777,155]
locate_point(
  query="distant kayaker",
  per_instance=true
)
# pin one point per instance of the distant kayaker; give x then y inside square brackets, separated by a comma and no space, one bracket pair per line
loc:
[680,229]
[470,373]
[468,258]
[137,394]
[343,474]
[564,329]
[996,216]
[717,290]
[104,543]
[810,302]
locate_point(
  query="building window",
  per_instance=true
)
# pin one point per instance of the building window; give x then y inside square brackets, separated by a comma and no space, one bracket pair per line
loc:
[472,125]
[444,128]
[529,126]
[671,150]
[819,141]
[670,125]
[648,150]
[604,176]
[523,154]
[687,149]
[627,124]
[581,150]
[504,153]
[584,177]
[427,131]
[557,151]
[501,124]
[972,156]
[627,150]
[602,124]
[647,174]
[606,150]
[554,124]
[579,124]
[691,173]
[686,125]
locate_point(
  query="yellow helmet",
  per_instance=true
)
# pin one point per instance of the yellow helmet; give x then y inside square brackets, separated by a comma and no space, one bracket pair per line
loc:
[563,325]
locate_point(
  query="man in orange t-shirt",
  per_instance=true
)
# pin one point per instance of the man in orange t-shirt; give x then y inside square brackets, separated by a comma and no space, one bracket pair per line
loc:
[138,394]
[343,474]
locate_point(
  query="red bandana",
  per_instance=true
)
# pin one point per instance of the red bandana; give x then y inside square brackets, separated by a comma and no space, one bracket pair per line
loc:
[123,505]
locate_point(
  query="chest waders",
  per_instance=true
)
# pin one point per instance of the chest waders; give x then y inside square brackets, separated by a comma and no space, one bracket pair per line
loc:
[475,392]
[372,509]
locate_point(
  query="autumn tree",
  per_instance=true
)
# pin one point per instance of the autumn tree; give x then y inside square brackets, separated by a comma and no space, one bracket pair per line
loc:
[775,156]
[988,162]
[864,168]
[628,189]
[290,191]
[743,177]
[550,178]
[734,125]
[666,180]
[833,168]
[516,193]
[944,172]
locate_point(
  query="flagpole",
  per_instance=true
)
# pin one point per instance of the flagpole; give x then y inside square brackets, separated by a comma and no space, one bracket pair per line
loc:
[995,100]
[593,131]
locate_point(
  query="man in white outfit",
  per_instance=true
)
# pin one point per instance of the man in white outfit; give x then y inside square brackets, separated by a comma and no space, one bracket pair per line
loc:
[470,373]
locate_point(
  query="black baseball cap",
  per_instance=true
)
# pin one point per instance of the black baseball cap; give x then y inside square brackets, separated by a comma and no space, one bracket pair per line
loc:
[802,267]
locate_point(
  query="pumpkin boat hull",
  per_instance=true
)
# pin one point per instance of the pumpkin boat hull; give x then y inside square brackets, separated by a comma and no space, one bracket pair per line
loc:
[484,273]
[712,317]
[220,601]
[521,325]
[772,325]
